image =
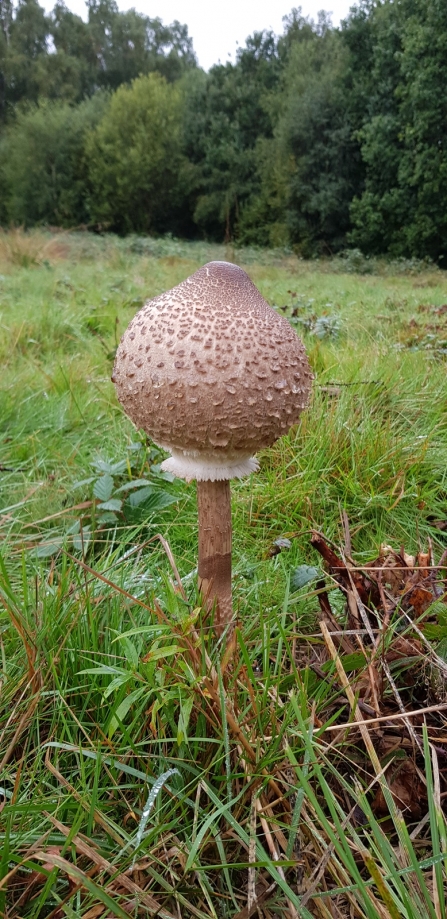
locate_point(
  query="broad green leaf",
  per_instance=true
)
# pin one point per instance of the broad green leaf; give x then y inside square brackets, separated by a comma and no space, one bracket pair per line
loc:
[49,547]
[130,651]
[137,509]
[158,653]
[123,708]
[130,486]
[116,684]
[103,487]
[114,504]
[84,482]
[303,575]
[107,517]
[110,468]
[142,494]
[155,630]
[104,668]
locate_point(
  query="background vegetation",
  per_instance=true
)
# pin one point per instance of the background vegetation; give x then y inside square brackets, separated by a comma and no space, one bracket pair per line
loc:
[322,138]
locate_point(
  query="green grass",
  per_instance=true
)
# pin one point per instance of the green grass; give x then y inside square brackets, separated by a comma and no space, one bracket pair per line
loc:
[110,683]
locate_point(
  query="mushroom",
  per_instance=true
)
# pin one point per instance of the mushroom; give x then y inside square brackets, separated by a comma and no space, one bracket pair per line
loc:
[212,373]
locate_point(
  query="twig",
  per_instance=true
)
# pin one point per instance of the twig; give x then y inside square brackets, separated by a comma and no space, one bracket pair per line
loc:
[328,615]
[372,571]
[351,698]
[274,852]
[251,885]
[347,532]
[352,383]
[395,717]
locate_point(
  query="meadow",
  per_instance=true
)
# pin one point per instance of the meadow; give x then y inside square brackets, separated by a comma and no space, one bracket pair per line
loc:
[144,771]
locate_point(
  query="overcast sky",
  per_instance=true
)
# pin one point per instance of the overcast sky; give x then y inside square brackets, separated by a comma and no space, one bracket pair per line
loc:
[218,26]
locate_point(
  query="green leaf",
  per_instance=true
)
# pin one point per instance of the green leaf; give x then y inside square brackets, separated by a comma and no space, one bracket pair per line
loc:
[104,668]
[355,661]
[84,482]
[123,709]
[107,517]
[129,486]
[116,684]
[49,547]
[183,719]
[110,468]
[137,509]
[435,632]
[158,653]
[103,487]
[303,575]
[114,504]
[156,630]
[130,651]
[141,495]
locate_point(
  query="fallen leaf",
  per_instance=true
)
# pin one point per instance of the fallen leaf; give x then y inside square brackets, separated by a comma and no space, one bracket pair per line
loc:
[407,791]
[404,647]
[302,575]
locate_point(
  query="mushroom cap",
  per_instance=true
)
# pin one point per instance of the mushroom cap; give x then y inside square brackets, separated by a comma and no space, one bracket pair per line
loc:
[212,373]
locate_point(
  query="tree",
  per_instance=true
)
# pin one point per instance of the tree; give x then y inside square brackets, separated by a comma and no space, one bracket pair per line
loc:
[61,57]
[71,72]
[23,43]
[422,173]
[43,174]
[130,44]
[5,37]
[403,207]
[135,159]
[373,35]
[310,168]
[225,116]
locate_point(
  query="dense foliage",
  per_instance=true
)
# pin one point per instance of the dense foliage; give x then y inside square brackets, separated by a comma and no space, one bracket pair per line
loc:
[321,138]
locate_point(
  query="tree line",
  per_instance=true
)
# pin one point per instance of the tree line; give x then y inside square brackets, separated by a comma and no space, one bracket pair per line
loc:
[321,138]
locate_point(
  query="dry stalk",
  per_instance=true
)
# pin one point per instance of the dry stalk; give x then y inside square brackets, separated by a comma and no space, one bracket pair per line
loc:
[351,699]
[93,855]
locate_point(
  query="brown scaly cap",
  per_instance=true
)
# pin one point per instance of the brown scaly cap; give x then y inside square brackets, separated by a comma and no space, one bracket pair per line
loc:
[212,373]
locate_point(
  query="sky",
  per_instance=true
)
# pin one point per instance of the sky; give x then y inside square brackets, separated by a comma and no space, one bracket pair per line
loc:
[217,27]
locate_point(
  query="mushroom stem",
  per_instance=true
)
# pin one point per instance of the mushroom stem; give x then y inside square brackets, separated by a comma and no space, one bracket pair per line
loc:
[214,507]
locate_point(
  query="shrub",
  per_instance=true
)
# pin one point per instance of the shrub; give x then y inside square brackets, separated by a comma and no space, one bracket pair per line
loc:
[42,165]
[135,159]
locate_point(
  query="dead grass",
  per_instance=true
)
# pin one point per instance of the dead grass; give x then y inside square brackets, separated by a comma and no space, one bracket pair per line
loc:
[21,248]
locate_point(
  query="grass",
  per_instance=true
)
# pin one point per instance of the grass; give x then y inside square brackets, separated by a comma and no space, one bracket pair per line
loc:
[141,772]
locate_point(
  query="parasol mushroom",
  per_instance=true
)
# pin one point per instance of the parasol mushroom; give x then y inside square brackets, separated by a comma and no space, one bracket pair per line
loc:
[212,373]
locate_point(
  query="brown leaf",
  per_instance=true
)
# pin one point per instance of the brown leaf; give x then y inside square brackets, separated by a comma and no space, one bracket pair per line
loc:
[407,791]
[404,647]
[95,911]
[393,569]
[366,589]
[419,598]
